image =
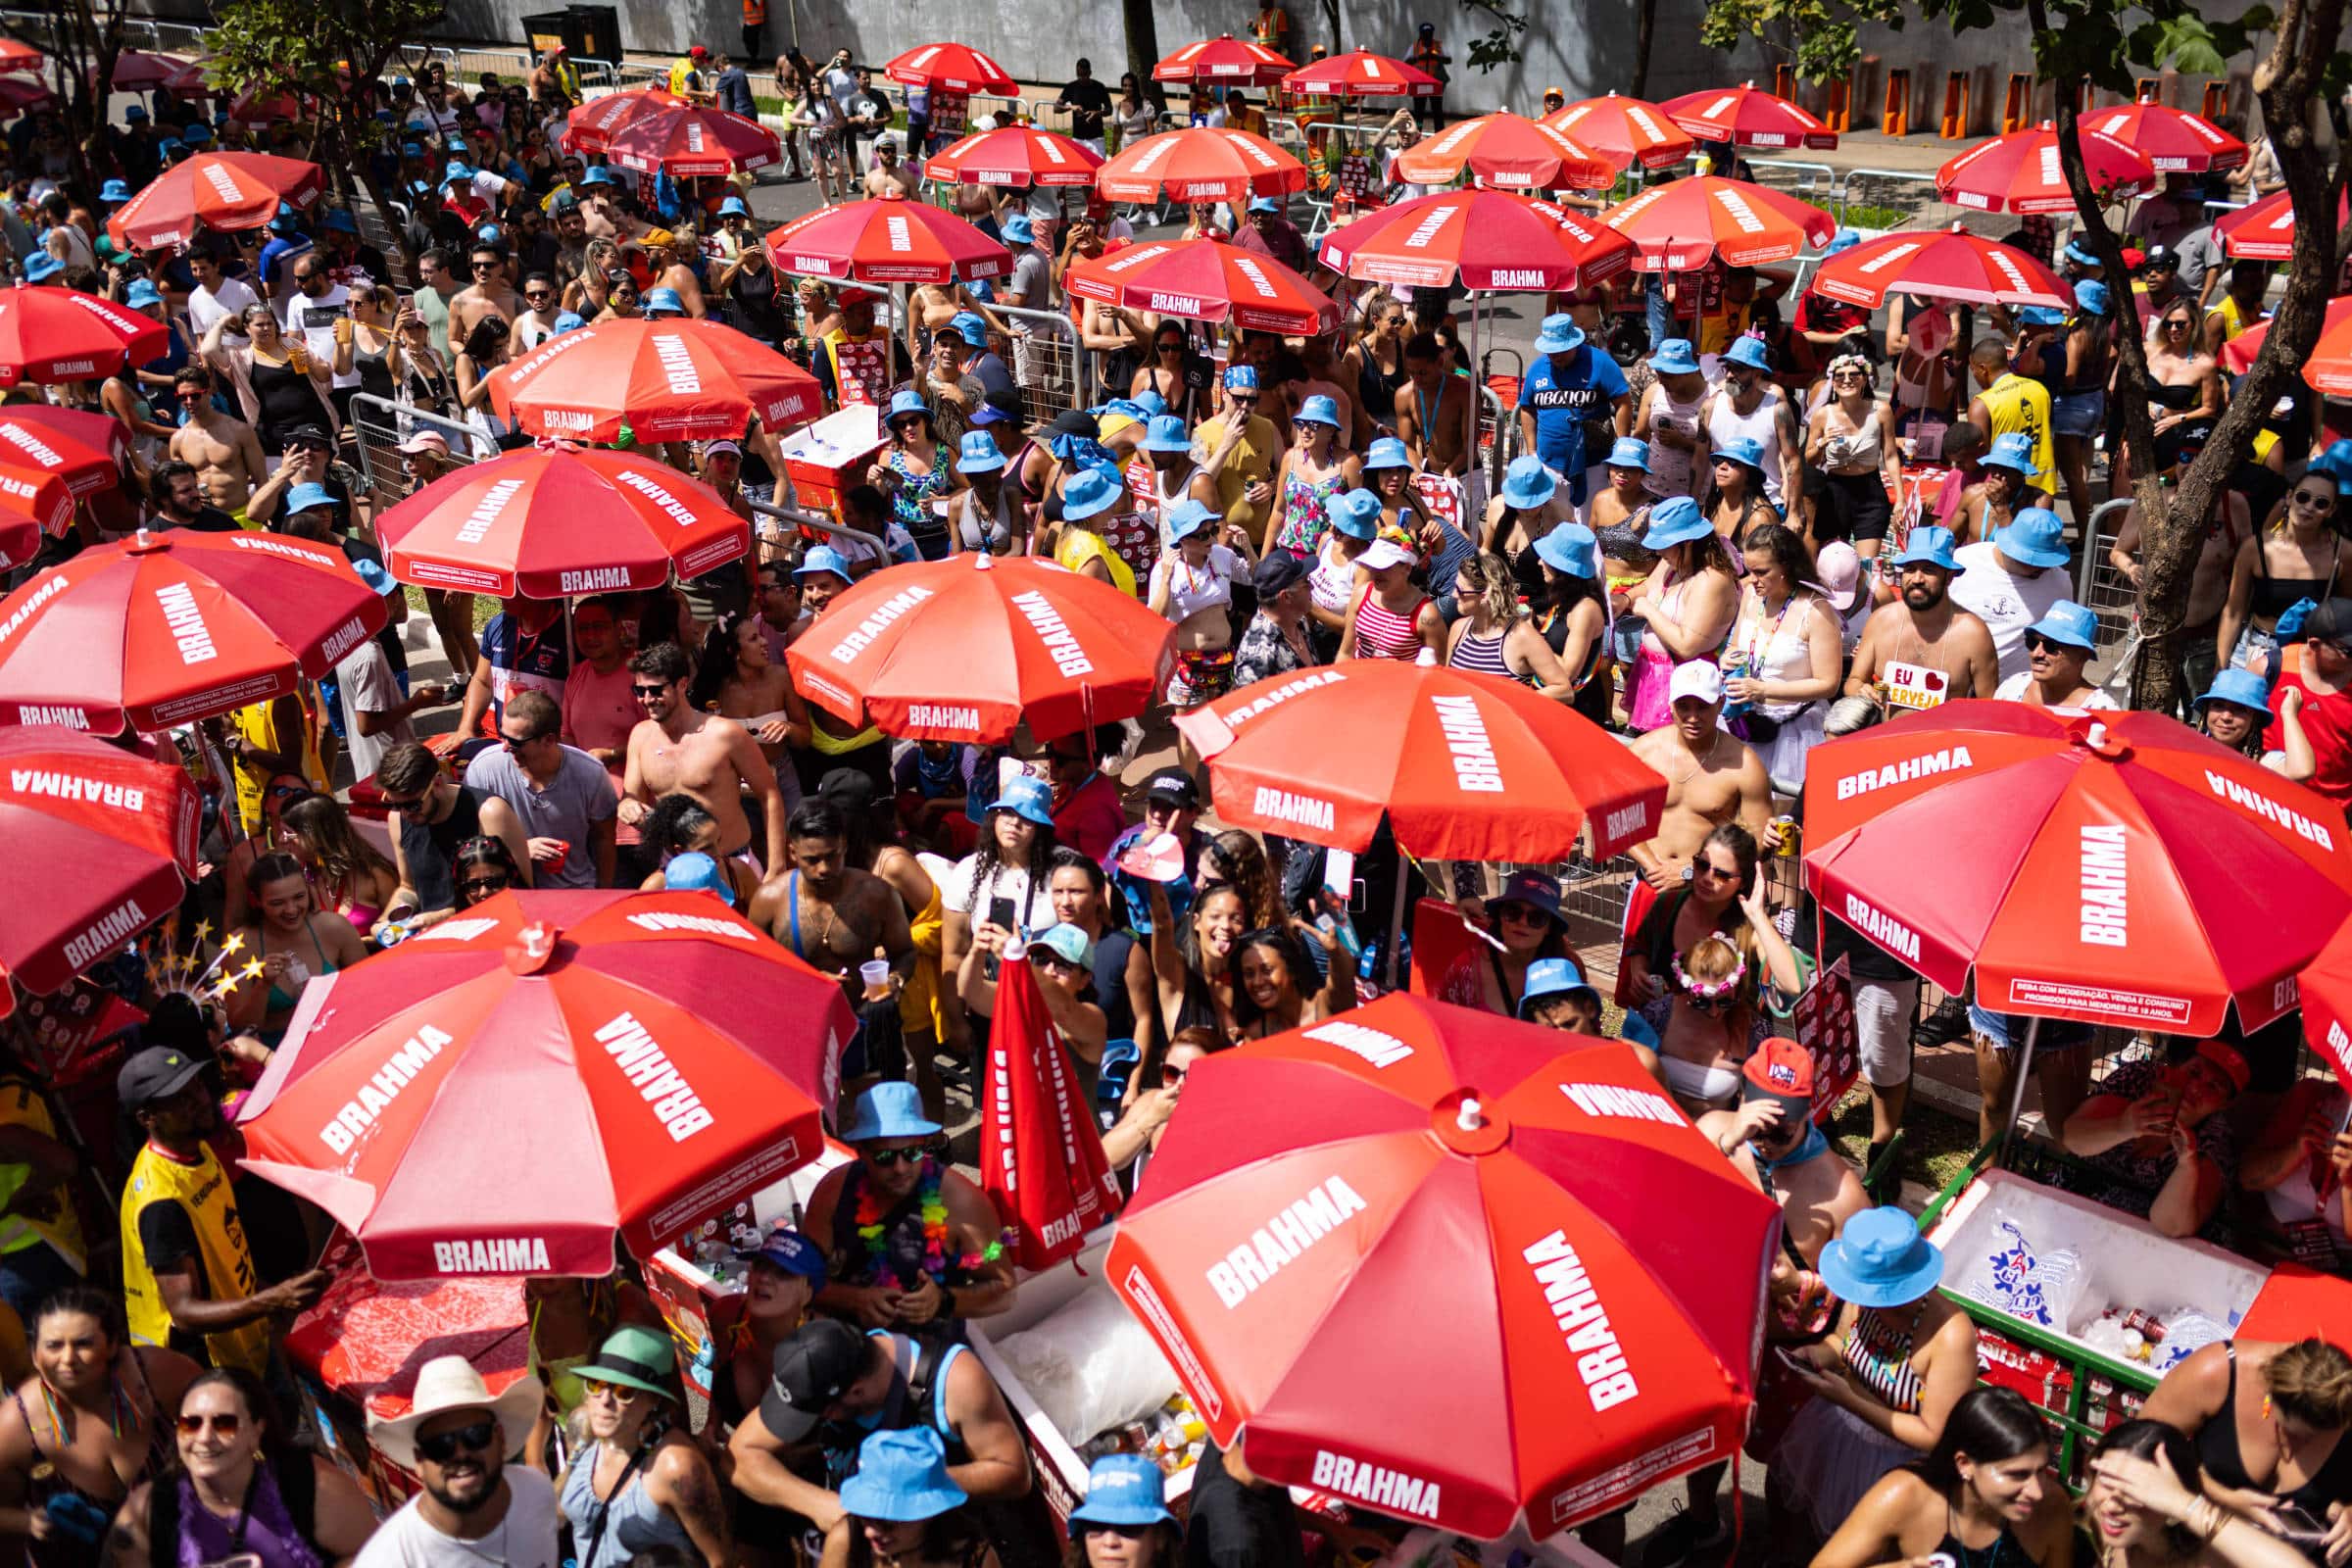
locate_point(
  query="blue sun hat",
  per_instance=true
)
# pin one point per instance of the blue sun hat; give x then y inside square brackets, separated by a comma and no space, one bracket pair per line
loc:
[1628,452]
[1386,451]
[822,560]
[1318,409]
[1028,798]
[2240,688]
[1568,549]
[2014,451]
[2070,623]
[696,872]
[1553,977]
[902,1474]
[1880,1259]
[1744,450]
[978,453]
[664,302]
[1750,352]
[2034,537]
[1353,512]
[1559,334]
[1673,356]
[1124,1491]
[1166,433]
[891,1108]
[1675,520]
[1092,491]
[1929,545]
[1527,483]
[1015,230]
[1188,517]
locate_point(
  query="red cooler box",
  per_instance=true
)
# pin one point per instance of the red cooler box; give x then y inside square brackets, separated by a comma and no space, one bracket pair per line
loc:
[826,459]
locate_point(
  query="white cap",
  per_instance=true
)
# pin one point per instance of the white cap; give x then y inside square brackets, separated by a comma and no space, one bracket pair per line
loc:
[1382,554]
[1841,570]
[1698,679]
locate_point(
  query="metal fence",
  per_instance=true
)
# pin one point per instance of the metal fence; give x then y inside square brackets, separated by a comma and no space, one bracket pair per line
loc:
[379,425]
[1056,372]
[2098,585]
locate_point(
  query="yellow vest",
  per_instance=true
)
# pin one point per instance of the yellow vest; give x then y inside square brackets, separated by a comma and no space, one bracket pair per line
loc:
[22,1106]
[2017,406]
[202,1189]
[253,783]
[1079,545]
[679,71]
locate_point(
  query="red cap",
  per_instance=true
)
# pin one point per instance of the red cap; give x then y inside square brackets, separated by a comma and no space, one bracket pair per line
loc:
[2133,255]
[1780,1070]
[697,52]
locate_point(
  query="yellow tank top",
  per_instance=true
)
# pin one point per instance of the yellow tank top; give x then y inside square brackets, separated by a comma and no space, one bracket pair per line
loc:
[918,1003]
[22,1106]
[2236,321]
[1077,546]
[2017,406]
[253,722]
[202,1189]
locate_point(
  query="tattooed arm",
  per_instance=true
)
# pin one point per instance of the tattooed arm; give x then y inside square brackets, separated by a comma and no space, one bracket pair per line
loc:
[681,1481]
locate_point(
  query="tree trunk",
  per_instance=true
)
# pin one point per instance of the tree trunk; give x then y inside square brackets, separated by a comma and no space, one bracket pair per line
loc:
[1331,16]
[1645,27]
[1143,46]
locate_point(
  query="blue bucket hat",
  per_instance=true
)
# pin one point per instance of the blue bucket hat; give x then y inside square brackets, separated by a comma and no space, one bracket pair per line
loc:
[141,294]
[1386,451]
[1264,204]
[1629,452]
[784,1246]
[457,173]
[664,301]
[1559,334]
[1845,240]
[1124,1490]
[696,872]
[1673,356]
[733,207]
[40,267]
[599,175]
[2243,689]
[1188,516]
[1675,520]
[1750,352]
[2012,451]
[341,220]
[893,1109]
[568,321]
[114,192]
[1027,798]
[136,114]
[1016,231]
[2070,623]
[378,580]
[1553,977]
[2091,297]
[1148,404]
[1568,549]
[2078,252]
[1527,483]
[1880,1259]
[822,560]
[196,135]
[308,497]
[2336,464]
[1318,409]
[902,403]
[1744,450]
[1166,433]
[2034,538]
[978,453]
[1930,545]
[970,327]
[2043,314]
[901,1475]
[1092,491]
[1355,513]
[1241,378]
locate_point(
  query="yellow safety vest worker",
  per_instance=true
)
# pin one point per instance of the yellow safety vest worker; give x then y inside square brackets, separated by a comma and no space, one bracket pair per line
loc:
[201,1187]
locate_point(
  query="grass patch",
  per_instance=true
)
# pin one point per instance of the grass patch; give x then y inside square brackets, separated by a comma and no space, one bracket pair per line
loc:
[1867,214]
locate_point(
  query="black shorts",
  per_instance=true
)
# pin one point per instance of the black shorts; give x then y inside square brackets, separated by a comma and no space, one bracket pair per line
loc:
[1858,507]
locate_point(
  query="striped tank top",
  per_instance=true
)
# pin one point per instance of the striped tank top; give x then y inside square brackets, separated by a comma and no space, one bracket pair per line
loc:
[1383,633]
[1880,1349]
[1480,654]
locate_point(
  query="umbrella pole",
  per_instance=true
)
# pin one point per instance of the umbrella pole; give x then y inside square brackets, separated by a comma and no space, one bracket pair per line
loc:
[1404,872]
[2017,1096]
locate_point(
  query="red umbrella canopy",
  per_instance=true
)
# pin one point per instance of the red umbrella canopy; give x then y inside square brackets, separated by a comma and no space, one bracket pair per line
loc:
[18,54]
[2113,867]
[138,71]
[1680,227]
[2020,173]
[1205,281]
[512,1089]
[2265,230]
[2324,991]
[557,522]
[122,831]
[951,68]
[31,504]
[2327,368]
[1466,767]
[1746,115]
[668,380]
[1504,150]
[591,127]
[1031,642]
[1225,60]
[1014,155]
[886,239]
[82,447]
[1486,239]
[217,190]
[1487,1193]
[161,629]
[1199,164]
[16,94]
[692,141]
[2174,140]
[1624,130]
[49,335]
[1361,74]
[1955,264]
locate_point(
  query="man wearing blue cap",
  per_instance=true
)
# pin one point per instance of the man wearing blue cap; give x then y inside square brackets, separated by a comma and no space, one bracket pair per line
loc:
[1251,446]
[1751,404]
[2011,581]
[1269,234]
[1922,650]
[1572,396]
[2058,648]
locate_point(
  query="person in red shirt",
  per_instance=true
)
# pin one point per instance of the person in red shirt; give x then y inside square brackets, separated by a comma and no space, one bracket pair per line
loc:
[1088,815]
[2324,677]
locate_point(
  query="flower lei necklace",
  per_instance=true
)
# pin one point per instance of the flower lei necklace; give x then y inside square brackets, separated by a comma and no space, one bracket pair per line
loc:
[873,1211]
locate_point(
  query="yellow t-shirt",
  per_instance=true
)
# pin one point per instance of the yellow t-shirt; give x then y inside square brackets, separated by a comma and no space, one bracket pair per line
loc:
[50,1217]
[1251,461]
[2019,405]
[253,722]
[224,1262]
[1078,545]
[2236,321]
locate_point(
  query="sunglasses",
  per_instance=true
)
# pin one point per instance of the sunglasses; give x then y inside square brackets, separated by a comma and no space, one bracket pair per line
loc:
[643,691]
[228,1426]
[515,743]
[1523,913]
[443,1447]
[1172,1075]
[392,804]
[884,1158]
[2037,644]
[485,884]
[537,296]
[1704,868]
[2313,503]
[591,1387]
[1124,1532]
[1708,1004]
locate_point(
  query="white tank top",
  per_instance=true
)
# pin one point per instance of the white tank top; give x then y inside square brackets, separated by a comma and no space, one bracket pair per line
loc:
[1333,581]
[1762,426]
[1191,591]
[1669,468]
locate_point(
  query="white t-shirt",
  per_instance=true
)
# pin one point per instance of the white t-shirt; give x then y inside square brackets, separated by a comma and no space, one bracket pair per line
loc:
[315,318]
[1008,882]
[207,306]
[841,86]
[2013,690]
[524,1538]
[2006,603]
[366,685]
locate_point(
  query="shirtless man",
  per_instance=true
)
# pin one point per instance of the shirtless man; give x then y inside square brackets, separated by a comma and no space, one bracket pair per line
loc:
[1771,1141]
[1431,410]
[675,749]
[489,294]
[2230,525]
[1925,632]
[1711,779]
[226,454]
[889,176]
[932,306]
[664,254]
[832,915]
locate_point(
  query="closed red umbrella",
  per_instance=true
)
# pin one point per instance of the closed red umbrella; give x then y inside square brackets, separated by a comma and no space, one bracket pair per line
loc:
[2172,140]
[1466,767]
[161,629]
[1361,74]
[2020,173]
[1680,228]
[692,141]
[1199,164]
[886,239]
[80,445]
[516,1089]
[32,504]
[1483,238]
[591,127]
[558,521]
[213,190]
[1469,1272]
[2265,230]
[1205,281]
[951,68]
[1041,1157]
[1746,115]
[1224,61]
[1509,152]
[2328,365]
[1953,264]
[1624,130]
[667,380]
[1014,155]
[49,335]
[98,841]
[1030,641]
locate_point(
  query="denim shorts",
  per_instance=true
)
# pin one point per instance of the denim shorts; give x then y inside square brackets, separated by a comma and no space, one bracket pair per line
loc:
[2008,1034]
[2079,413]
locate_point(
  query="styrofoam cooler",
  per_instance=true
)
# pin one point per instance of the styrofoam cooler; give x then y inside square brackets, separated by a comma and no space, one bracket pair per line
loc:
[828,458]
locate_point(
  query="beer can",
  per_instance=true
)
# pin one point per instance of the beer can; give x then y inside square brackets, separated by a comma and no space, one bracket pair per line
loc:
[1789,834]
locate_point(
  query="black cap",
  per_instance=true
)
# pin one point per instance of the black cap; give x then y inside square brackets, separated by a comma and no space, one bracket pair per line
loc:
[310,435]
[2330,622]
[812,1368]
[1075,421]
[1276,571]
[1175,786]
[155,1074]
[852,788]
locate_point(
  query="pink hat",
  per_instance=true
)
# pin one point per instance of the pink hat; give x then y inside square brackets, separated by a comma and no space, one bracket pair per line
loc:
[1840,571]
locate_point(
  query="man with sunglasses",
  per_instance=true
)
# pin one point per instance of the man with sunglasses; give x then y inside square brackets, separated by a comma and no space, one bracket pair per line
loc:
[562,796]
[678,749]
[433,816]
[2058,650]
[1712,778]
[473,1511]
[1924,649]
[224,451]
[541,306]
[489,294]
[1245,479]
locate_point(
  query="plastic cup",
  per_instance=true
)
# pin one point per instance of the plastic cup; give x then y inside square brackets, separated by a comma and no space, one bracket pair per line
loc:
[874,972]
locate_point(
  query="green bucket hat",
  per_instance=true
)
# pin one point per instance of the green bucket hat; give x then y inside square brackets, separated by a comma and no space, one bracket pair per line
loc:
[633,1359]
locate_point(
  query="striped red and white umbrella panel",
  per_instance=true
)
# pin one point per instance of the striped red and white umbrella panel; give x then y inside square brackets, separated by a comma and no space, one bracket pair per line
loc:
[1486,239]
[1014,155]
[1625,130]
[80,445]
[50,335]
[548,1074]
[1746,115]
[667,380]
[2021,172]
[2172,140]
[138,70]
[1361,74]
[1205,281]
[2265,230]
[1680,228]
[98,840]
[1199,165]
[1509,152]
[951,68]
[886,239]
[590,127]
[162,629]
[1953,264]
[1224,61]
[693,141]
[557,522]
[213,190]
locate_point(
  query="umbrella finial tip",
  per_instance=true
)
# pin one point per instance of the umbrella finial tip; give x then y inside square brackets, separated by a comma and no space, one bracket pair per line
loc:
[982,560]
[2097,736]
[1468,1117]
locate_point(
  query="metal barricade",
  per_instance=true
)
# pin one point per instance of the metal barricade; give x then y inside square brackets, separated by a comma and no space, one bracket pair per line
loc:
[177,37]
[467,65]
[1497,437]
[1797,175]
[2098,585]
[788,519]
[1055,375]
[1905,190]
[381,424]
